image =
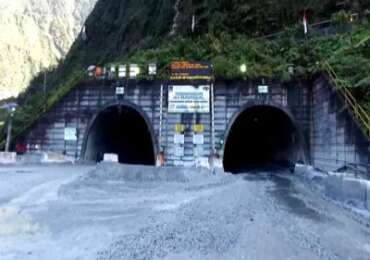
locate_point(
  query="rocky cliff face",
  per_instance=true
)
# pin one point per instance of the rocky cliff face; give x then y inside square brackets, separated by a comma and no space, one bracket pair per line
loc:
[35,34]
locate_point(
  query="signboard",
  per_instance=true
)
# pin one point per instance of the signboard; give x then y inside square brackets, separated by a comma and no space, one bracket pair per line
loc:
[134,71]
[199,128]
[91,70]
[179,139]
[185,70]
[179,128]
[120,91]
[198,139]
[189,99]
[70,134]
[112,71]
[152,69]
[122,72]
[263,89]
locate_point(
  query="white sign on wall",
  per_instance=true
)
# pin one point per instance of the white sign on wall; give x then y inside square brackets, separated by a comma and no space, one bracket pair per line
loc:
[122,72]
[134,71]
[198,139]
[120,91]
[263,89]
[70,134]
[189,99]
[179,139]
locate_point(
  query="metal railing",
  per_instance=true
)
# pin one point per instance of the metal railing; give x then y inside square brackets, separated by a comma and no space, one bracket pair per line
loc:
[343,88]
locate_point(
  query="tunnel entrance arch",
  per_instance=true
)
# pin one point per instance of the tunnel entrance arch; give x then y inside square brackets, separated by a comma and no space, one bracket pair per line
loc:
[121,129]
[261,135]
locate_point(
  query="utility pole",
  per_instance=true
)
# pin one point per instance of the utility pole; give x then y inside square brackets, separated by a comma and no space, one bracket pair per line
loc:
[9,130]
[44,89]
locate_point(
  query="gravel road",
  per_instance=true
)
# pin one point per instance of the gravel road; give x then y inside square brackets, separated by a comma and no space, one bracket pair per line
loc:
[134,212]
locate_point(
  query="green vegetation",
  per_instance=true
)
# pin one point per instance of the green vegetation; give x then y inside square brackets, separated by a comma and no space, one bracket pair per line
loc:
[348,53]
[226,33]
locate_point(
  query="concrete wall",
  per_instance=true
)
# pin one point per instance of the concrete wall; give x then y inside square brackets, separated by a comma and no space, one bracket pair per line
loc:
[336,139]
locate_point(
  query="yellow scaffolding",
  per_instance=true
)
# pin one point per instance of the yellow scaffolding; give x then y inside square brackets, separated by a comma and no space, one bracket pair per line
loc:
[359,112]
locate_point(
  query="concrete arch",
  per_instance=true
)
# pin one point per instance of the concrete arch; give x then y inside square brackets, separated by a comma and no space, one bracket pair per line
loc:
[250,104]
[264,112]
[131,107]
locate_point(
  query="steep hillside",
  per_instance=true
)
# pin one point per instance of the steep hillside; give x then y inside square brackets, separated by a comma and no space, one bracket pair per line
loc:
[34,36]
[116,27]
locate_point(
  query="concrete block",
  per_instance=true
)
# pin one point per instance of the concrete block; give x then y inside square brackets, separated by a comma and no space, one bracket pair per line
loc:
[32,157]
[56,158]
[8,158]
[109,157]
[216,163]
[334,187]
[354,189]
[202,162]
[367,203]
[342,188]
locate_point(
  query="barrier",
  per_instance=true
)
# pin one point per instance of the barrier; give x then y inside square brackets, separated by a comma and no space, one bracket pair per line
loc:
[342,188]
[40,158]
[367,195]
[8,158]
[56,158]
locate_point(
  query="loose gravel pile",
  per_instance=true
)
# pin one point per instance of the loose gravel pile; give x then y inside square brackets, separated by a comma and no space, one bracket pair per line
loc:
[132,173]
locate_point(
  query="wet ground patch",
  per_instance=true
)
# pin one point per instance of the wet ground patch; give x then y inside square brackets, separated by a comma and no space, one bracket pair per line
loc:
[286,193]
[256,177]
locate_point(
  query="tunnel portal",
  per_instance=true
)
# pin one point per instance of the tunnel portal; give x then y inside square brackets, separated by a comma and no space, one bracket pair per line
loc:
[120,130]
[261,136]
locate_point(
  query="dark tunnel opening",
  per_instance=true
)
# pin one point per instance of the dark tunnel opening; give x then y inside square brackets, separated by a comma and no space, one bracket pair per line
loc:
[260,137]
[123,131]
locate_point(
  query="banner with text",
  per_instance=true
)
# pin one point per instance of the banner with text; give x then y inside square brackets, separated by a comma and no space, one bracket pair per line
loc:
[189,99]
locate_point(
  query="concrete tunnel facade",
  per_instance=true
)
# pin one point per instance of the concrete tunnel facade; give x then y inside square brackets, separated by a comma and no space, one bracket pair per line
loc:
[130,127]
[291,123]
[259,135]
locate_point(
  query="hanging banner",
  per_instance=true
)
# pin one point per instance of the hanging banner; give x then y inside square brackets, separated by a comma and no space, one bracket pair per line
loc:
[189,99]
[185,70]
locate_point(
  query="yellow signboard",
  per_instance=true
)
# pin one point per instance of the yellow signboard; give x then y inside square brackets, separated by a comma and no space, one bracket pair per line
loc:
[180,128]
[199,128]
